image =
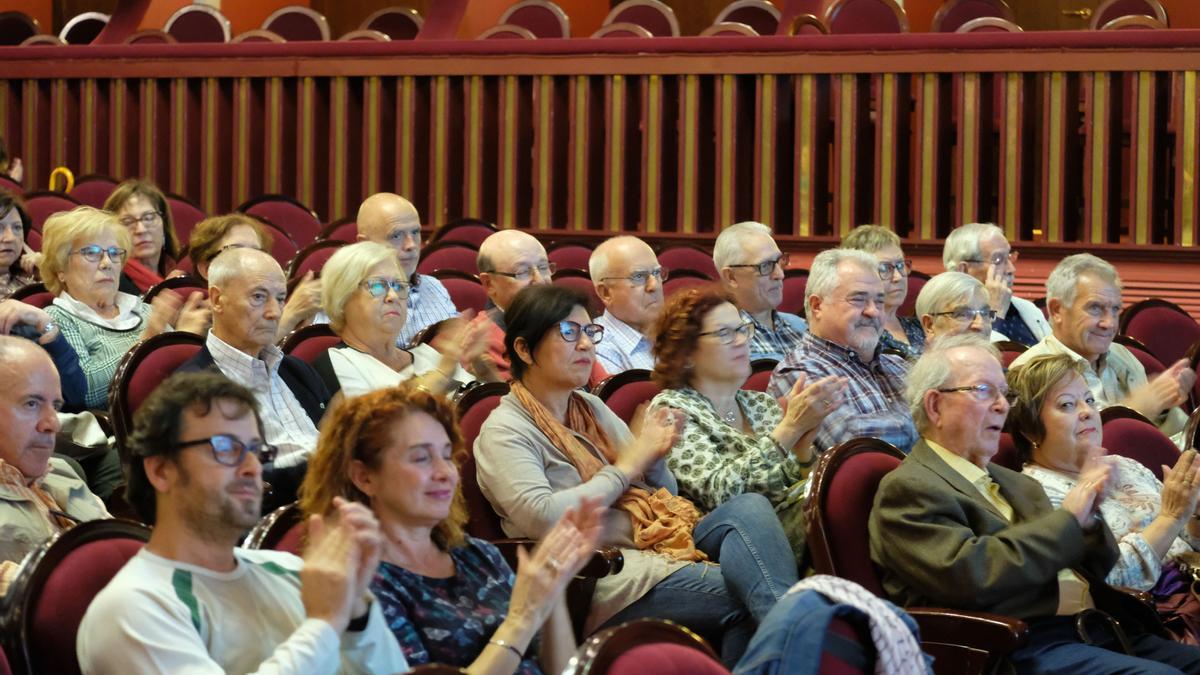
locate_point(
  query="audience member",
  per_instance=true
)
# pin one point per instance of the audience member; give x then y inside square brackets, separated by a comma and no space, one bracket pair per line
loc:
[952,303]
[1083,294]
[980,249]
[246,289]
[901,334]
[751,268]
[844,301]
[392,220]
[950,529]
[11,166]
[191,601]
[448,597]
[18,318]
[142,208]
[548,446]
[734,441]
[629,281]
[40,495]
[85,250]
[364,290]
[14,228]
[1057,429]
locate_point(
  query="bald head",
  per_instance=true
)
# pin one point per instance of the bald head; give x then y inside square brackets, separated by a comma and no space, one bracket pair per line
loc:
[16,353]
[247,291]
[623,270]
[390,219]
[29,403]
[504,258]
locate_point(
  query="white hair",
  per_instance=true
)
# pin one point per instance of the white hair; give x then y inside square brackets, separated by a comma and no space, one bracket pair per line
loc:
[1061,283]
[823,276]
[932,371]
[732,241]
[963,243]
[229,264]
[946,290]
[348,267]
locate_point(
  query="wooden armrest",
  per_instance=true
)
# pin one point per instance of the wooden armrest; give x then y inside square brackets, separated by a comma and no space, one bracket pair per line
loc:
[1143,597]
[962,641]
[605,561]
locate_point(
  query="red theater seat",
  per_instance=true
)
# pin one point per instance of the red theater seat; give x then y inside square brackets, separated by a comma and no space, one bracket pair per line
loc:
[570,256]
[34,294]
[82,29]
[625,391]
[141,370]
[309,342]
[398,23]
[1139,440]
[296,23]
[198,23]
[450,255]
[42,204]
[474,405]
[760,15]
[16,27]
[760,375]
[951,16]
[541,17]
[464,288]
[1110,10]
[185,214]
[1165,329]
[184,286]
[647,646]
[280,530]
[653,15]
[287,214]
[865,16]
[313,257]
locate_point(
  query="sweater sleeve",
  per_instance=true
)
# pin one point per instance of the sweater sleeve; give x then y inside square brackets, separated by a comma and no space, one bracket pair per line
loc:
[70,374]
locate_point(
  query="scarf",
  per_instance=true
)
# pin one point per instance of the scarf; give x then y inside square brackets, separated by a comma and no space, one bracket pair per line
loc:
[42,501]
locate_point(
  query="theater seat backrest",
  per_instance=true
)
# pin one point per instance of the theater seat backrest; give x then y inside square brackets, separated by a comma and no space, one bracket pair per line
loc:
[474,406]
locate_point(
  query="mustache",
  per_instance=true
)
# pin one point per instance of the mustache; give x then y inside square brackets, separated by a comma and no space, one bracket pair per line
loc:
[245,483]
[877,324]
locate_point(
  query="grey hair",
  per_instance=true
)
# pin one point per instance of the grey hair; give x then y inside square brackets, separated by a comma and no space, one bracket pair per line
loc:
[932,371]
[1061,283]
[823,273]
[731,242]
[229,264]
[942,292]
[598,263]
[963,243]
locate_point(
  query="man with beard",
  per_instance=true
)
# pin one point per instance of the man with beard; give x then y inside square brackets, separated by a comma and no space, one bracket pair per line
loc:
[191,601]
[844,305]
[1083,294]
[751,268]
[628,280]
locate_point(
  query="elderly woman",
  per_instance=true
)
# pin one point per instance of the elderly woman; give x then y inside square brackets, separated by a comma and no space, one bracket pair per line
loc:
[735,441]
[142,208]
[449,598]
[14,226]
[365,292]
[84,251]
[547,446]
[951,303]
[1057,430]
[900,334]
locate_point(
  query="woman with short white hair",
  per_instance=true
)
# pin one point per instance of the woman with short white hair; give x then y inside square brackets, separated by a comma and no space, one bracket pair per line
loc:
[952,303]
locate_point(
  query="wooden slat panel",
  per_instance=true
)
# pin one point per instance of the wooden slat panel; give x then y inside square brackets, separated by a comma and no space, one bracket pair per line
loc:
[543,152]
[509,149]
[887,161]
[1187,230]
[765,160]
[927,157]
[577,164]
[969,104]
[1099,212]
[339,146]
[652,155]
[473,133]
[689,152]
[614,166]
[1012,154]
[1141,152]
[726,114]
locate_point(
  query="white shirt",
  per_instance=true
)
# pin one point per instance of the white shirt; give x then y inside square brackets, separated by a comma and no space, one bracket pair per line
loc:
[359,373]
[125,319]
[623,347]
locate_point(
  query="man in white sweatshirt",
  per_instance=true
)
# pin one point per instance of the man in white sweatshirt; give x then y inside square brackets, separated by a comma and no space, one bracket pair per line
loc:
[191,601]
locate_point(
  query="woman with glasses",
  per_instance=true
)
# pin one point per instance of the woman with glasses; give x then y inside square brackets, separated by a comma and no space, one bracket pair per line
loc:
[84,251]
[548,445]
[734,441]
[952,303]
[365,293]
[901,334]
[143,210]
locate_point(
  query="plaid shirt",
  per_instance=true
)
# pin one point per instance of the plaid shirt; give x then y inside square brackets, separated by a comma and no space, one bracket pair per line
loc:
[623,347]
[874,404]
[428,303]
[776,344]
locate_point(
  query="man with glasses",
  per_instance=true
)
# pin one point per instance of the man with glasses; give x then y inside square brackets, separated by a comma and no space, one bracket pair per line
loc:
[980,249]
[751,268]
[247,291]
[844,304]
[628,280]
[191,600]
[952,303]
[1083,294]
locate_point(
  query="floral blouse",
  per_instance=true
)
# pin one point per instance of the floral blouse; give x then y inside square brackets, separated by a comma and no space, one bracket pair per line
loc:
[449,620]
[713,461]
[912,331]
[1134,498]
[11,283]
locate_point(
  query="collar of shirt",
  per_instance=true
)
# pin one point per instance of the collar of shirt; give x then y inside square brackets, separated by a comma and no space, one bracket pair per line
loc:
[11,476]
[628,339]
[124,320]
[1056,345]
[234,361]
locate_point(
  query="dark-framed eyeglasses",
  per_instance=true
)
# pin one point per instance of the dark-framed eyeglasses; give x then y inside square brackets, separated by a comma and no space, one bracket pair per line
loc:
[378,287]
[230,451]
[998,258]
[640,277]
[93,253]
[968,314]
[571,330]
[148,219]
[901,267]
[984,393]
[727,334]
[545,270]
[766,267]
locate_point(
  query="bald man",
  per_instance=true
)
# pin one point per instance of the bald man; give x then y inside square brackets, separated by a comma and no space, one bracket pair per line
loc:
[392,220]
[628,280]
[32,483]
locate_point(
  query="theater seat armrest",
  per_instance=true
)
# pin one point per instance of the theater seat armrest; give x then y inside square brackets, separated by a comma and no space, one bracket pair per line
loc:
[1143,597]
[992,633]
[605,561]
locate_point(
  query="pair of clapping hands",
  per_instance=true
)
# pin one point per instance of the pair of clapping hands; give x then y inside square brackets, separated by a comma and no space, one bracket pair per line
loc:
[1180,491]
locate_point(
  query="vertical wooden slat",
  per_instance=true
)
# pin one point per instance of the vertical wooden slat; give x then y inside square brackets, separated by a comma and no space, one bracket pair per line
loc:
[5,110]
[1054,132]
[472,164]
[806,148]
[273,152]
[727,119]
[507,190]
[652,120]
[1141,176]
[1011,155]
[1186,138]
[212,133]
[339,151]
[372,128]
[29,133]
[577,168]
[307,147]
[58,123]
[88,127]
[241,140]
[689,151]
[406,94]
[148,109]
[118,140]
[614,167]
[925,201]
[543,156]
[845,97]
[179,136]
[967,148]
[1097,99]
[765,129]
[886,141]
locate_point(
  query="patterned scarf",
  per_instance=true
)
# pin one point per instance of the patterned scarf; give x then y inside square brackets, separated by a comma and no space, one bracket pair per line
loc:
[662,522]
[42,501]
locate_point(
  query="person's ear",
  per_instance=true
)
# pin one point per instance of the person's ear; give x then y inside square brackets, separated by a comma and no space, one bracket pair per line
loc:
[727,277]
[215,300]
[523,352]
[160,471]
[961,267]
[814,307]
[926,323]
[603,292]
[932,401]
[362,478]
[1054,308]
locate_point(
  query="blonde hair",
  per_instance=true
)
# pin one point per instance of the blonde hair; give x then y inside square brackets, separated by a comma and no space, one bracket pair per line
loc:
[870,238]
[1032,382]
[344,271]
[63,229]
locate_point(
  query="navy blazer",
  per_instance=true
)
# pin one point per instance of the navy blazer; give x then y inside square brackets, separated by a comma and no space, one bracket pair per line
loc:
[300,378]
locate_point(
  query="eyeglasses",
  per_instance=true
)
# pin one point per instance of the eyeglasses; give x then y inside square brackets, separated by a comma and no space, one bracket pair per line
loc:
[378,287]
[998,258]
[228,450]
[984,393]
[93,253]
[545,270]
[227,247]
[968,314]
[571,330]
[640,277]
[726,335]
[901,267]
[148,219]
[766,267]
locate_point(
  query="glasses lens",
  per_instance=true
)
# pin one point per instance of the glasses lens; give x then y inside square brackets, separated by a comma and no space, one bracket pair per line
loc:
[226,449]
[569,330]
[594,332]
[91,253]
[263,451]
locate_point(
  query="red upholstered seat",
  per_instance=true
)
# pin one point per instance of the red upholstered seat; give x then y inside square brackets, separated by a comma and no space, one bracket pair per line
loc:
[184,215]
[470,231]
[989,24]
[625,391]
[1110,10]
[1009,351]
[398,23]
[313,257]
[916,281]
[540,17]
[150,36]
[296,23]
[570,256]
[449,255]
[83,28]
[34,239]
[794,281]
[1006,456]
[760,374]
[580,281]
[184,286]
[760,15]
[1165,329]
[865,16]
[681,281]
[953,14]
[141,370]
[344,229]
[34,294]
[665,659]
[1140,441]
[287,214]
[653,15]
[309,342]
[280,530]
[9,185]
[679,258]
[1152,365]
[474,405]
[42,204]
[198,23]
[664,647]
[621,30]
[93,190]
[16,27]
[465,290]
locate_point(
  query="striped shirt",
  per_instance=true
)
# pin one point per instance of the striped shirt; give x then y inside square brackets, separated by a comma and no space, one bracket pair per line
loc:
[873,405]
[623,347]
[428,303]
[778,342]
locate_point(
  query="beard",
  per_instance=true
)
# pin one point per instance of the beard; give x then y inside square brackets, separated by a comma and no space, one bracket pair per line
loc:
[218,518]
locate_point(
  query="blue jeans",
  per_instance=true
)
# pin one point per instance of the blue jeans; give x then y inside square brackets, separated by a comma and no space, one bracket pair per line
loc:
[724,604]
[1054,647]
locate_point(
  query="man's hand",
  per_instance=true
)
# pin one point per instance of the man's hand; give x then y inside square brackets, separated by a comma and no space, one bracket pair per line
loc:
[999,289]
[1164,391]
[15,312]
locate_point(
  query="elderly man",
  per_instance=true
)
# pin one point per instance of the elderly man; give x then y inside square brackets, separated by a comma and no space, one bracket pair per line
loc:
[247,291]
[191,601]
[751,268]
[1083,294]
[951,529]
[980,249]
[628,280]
[952,303]
[844,305]
[40,495]
[392,220]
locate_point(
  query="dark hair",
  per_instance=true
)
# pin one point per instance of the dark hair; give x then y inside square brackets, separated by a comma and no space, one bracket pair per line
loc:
[8,202]
[130,188]
[1032,382]
[677,332]
[157,422]
[533,312]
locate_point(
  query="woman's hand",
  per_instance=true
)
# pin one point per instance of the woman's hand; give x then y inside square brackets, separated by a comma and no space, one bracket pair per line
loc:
[1083,499]
[30,260]
[163,310]
[543,575]
[195,316]
[301,307]
[660,428]
[1181,488]
[804,408]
